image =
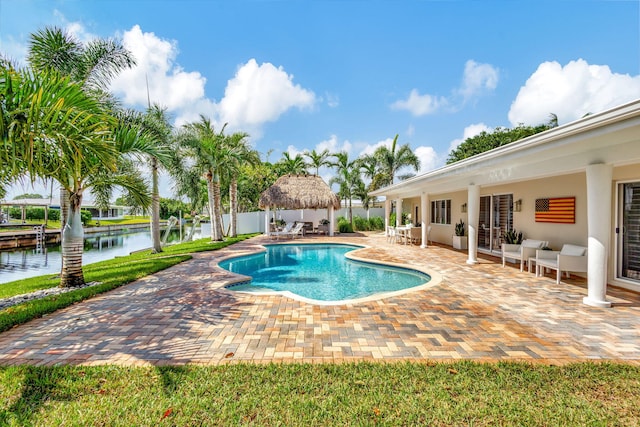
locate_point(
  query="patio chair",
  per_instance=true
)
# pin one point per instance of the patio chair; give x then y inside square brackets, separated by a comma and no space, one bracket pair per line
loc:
[392,236]
[570,258]
[524,251]
[284,232]
[415,235]
[297,230]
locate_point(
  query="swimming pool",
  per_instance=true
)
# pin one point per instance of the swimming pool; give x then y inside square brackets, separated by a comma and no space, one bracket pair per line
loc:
[319,272]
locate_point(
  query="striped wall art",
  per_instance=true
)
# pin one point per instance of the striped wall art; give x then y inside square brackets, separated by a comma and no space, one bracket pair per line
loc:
[560,210]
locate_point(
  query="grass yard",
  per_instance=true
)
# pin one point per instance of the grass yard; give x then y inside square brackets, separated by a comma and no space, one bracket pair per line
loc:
[463,394]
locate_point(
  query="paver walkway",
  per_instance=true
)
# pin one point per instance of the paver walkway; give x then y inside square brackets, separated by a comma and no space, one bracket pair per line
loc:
[479,312]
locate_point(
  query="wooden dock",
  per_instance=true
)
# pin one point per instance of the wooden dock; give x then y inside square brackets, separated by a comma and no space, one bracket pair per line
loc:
[28,237]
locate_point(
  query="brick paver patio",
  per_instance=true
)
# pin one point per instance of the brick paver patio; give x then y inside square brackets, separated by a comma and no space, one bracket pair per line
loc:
[479,312]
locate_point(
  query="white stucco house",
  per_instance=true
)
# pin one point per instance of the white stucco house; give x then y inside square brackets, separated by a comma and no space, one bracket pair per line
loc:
[593,164]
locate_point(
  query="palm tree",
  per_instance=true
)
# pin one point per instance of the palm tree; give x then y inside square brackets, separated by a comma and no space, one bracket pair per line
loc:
[317,160]
[391,160]
[348,178]
[291,165]
[149,132]
[207,149]
[243,155]
[157,122]
[371,170]
[94,65]
[57,130]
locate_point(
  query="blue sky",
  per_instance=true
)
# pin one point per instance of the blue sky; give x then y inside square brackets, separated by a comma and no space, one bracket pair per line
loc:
[349,75]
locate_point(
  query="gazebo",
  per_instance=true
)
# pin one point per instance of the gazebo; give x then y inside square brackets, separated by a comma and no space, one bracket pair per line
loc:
[299,192]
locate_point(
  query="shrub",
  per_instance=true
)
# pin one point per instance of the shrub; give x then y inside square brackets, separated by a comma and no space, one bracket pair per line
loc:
[345,227]
[35,214]
[392,218]
[376,223]
[361,224]
[85,216]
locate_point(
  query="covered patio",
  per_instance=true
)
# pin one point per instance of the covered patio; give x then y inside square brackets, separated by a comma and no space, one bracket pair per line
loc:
[479,312]
[299,192]
[593,163]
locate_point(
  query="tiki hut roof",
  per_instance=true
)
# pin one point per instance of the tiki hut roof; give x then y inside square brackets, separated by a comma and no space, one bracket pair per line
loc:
[299,192]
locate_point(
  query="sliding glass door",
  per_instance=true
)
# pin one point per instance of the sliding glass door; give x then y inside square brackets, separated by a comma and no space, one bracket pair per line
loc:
[496,217]
[629,231]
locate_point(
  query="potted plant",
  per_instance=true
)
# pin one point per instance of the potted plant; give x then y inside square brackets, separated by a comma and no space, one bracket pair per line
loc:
[459,239]
[512,237]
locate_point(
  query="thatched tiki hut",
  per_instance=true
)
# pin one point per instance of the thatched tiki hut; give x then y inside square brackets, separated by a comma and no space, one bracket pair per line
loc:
[299,192]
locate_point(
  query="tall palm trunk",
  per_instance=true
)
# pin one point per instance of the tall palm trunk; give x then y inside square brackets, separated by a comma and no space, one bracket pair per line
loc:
[217,209]
[64,206]
[155,207]
[72,244]
[233,202]
[212,215]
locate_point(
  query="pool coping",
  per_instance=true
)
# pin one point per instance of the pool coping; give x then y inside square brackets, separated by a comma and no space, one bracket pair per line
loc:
[436,278]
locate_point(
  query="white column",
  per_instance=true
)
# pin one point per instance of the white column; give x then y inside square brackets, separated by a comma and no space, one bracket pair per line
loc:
[424,216]
[332,219]
[387,212]
[473,212]
[398,212]
[599,178]
[266,221]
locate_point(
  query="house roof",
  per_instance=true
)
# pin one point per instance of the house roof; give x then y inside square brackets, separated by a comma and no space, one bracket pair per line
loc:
[612,136]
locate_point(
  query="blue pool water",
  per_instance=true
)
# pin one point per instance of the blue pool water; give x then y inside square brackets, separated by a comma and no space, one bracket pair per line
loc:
[319,272]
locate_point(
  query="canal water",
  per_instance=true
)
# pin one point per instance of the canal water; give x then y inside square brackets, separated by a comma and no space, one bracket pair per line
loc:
[22,264]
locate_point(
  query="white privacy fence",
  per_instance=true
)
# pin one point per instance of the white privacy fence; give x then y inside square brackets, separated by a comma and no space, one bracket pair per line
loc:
[253,222]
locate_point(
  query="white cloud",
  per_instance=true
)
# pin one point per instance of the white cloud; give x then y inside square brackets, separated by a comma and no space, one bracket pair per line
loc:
[13,50]
[420,105]
[261,93]
[257,94]
[371,148]
[428,157]
[570,92]
[293,151]
[169,85]
[477,78]
[333,145]
[469,132]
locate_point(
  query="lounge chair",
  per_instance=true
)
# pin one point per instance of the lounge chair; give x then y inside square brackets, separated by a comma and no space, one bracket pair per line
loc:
[284,232]
[524,251]
[298,230]
[570,258]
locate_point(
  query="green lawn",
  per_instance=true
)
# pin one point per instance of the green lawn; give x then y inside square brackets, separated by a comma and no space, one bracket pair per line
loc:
[420,394]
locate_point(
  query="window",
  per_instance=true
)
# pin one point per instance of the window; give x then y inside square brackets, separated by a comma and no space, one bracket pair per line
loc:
[441,211]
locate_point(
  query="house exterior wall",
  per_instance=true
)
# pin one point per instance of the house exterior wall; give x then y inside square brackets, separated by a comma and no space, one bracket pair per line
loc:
[573,185]
[569,185]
